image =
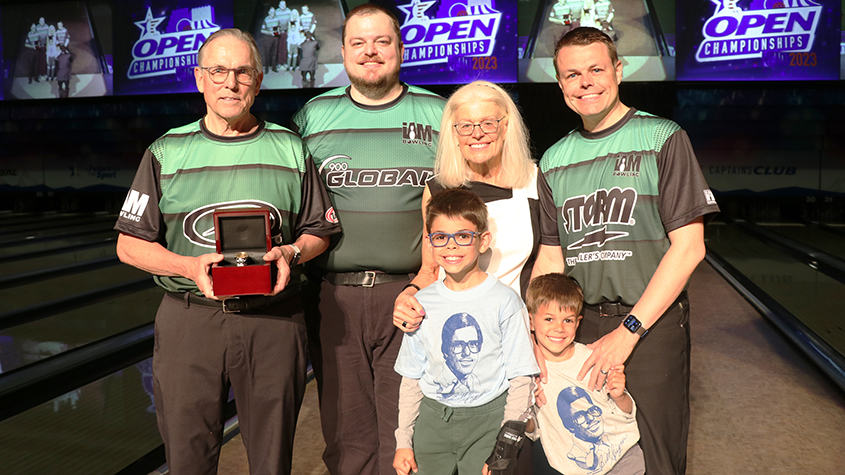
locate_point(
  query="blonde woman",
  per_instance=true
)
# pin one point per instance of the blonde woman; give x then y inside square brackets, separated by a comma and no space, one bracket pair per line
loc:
[484,147]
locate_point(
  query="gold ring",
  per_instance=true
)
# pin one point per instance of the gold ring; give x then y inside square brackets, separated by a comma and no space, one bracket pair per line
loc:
[240,258]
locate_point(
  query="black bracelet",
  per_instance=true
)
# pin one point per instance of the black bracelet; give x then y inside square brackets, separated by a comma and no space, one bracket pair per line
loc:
[412,285]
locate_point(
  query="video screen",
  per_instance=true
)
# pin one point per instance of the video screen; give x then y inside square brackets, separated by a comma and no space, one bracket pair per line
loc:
[752,40]
[50,50]
[458,41]
[156,42]
[639,41]
[300,43]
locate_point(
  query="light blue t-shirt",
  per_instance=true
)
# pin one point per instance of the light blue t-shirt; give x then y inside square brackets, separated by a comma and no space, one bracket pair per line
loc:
[470,344]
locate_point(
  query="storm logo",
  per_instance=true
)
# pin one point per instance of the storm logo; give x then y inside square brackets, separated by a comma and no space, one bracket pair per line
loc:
[198,225]
[458,28]
[159,54]
[773,26]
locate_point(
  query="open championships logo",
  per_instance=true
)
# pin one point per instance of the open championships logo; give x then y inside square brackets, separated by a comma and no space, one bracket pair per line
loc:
[768,26]
[159,54]
[458,28]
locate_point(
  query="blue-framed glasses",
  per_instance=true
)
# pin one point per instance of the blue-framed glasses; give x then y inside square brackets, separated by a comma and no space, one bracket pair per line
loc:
[461,238]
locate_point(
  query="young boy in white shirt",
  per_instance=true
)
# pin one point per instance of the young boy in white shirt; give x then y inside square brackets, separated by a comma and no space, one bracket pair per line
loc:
[468,368]
[577,431]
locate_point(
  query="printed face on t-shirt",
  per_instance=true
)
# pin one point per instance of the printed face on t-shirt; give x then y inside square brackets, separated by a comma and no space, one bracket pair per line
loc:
[463,351]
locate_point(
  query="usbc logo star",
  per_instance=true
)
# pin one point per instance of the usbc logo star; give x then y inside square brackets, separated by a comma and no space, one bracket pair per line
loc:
[149,27]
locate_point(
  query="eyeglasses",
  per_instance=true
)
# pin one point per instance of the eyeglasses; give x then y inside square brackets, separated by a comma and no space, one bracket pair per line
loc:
[462,238]
[487,126]
[458,347]
[580,417]
[219,74]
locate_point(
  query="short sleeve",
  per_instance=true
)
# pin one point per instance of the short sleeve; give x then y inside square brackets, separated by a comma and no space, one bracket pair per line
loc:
[140,215]
[684,193]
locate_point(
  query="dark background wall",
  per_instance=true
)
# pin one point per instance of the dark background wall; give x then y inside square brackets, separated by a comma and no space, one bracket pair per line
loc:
[773,148]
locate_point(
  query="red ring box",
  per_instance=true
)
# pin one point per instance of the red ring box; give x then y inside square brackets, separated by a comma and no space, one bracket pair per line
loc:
[243,230]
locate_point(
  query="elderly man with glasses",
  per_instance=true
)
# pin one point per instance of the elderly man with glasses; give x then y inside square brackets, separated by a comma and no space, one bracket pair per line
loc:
[204,345]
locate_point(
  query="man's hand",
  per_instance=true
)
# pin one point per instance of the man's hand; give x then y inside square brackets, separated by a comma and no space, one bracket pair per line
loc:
[404,461]
[281,255]
[608,351]
[408,313]
[201,273]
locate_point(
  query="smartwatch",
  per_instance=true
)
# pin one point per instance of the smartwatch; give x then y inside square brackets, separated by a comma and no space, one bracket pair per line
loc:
[296,255]
[634,325]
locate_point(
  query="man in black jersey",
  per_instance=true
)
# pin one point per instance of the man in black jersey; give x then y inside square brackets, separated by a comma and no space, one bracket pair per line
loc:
[623,215]
[374,143]
[203,344]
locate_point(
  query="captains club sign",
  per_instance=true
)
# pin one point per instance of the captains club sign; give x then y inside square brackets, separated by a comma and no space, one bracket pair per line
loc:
[456,28]
[159,54]
[774,26]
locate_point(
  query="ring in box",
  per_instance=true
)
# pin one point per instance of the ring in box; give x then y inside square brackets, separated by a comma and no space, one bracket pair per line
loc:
[243,237]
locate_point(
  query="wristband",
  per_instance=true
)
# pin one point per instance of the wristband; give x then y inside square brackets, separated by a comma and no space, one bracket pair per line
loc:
[411,285]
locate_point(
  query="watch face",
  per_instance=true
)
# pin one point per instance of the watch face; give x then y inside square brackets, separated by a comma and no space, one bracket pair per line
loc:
[632,323]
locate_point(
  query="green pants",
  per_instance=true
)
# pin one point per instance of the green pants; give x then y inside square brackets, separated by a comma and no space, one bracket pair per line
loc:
[450,440]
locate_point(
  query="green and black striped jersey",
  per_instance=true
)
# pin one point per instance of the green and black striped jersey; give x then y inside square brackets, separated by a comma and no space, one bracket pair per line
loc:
[189,172]
[610,198]
[375,161]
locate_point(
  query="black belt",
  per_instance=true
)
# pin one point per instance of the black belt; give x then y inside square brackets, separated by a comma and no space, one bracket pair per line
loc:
[239,304]
[617,309]
[363,279]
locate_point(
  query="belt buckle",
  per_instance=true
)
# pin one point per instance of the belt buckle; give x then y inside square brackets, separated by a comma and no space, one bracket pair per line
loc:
[609,313]
[369,279]
[226,309]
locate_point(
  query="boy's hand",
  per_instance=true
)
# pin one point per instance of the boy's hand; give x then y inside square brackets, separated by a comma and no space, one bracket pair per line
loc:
[539,394]
[616,381]
[404,461]
[485,470]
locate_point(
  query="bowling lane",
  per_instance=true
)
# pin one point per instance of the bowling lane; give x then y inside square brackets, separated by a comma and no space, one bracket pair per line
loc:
[811,296]
[819,238]
[99,428]
[42,261]
[22,296]
[33,341]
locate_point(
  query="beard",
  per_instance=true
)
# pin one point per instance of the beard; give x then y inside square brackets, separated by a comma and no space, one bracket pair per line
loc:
[377,88]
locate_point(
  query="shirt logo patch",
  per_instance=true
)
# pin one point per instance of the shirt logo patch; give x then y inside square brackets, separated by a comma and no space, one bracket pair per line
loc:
[628,166]
[134,206]
[414,133]
[331,216]
[708,197]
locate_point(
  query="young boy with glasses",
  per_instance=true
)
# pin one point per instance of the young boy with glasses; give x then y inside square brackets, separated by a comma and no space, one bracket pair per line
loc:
[468,368]
[578,431]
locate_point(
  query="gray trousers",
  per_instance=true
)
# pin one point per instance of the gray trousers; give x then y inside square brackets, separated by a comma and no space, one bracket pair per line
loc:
[353,346]
[199,353]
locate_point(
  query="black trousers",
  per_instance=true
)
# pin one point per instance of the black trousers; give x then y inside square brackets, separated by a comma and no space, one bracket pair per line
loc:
[658,379]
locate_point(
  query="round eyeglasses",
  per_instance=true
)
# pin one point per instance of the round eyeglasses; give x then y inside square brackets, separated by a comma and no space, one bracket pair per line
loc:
[487,126]
[461,238]
[219,74]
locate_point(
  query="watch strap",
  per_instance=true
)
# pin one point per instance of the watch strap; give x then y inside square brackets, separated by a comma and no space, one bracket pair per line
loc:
[297,254]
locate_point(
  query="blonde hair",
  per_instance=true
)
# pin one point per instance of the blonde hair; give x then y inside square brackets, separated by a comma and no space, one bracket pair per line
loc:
[450,167]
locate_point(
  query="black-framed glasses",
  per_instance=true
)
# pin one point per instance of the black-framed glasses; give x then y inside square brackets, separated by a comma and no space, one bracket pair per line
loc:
[458,347]
[219,74]
[487,126]
[461,238]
